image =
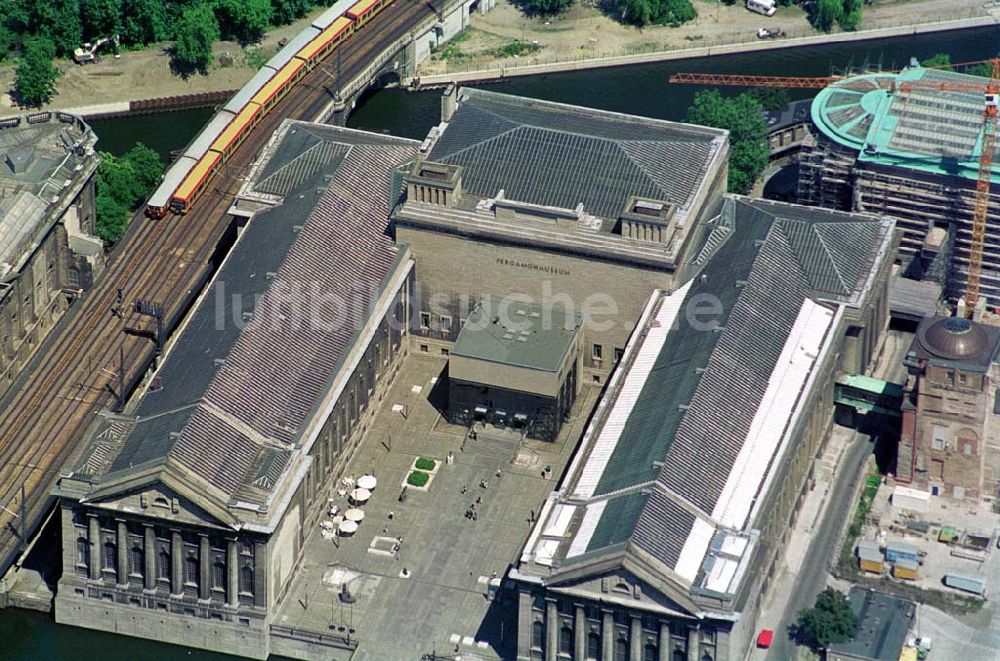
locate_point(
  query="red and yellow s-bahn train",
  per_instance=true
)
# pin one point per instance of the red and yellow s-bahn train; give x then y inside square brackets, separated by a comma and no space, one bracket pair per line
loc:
[188,176]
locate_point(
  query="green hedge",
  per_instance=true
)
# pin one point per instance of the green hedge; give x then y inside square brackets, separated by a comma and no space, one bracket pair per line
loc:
[425,464]
[418,478]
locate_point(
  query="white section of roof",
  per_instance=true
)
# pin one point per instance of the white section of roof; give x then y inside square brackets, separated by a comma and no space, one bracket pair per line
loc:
[771,420]
[734,545]
[694,549]
[720,578]
[215,126]
[587,528]
[558,523]
[625,400]
[545,551]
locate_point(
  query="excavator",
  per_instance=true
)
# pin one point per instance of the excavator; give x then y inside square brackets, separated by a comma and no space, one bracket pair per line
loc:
[88,53]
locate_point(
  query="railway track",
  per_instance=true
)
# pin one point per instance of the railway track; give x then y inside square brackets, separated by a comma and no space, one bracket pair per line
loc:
[45,415]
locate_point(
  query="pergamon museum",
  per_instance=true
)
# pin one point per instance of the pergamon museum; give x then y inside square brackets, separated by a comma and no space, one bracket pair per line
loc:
[500,330]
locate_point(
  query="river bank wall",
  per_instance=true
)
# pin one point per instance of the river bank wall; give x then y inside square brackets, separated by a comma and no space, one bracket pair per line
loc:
[535,66]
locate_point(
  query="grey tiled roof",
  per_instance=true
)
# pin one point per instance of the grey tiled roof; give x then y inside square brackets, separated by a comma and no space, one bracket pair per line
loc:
[262,346]
[695,409]
[555,155]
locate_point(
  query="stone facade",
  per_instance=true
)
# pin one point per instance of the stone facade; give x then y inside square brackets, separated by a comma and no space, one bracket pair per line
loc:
[47,218]
[950,441]
[151,563]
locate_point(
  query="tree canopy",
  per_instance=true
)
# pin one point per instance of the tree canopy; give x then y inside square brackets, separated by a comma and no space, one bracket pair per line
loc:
[938,61]
[743,117]
[845,13]
[543,7]
[656,12]
[123,183]
[35,76]
[196,32]
[831,620]
[243,20]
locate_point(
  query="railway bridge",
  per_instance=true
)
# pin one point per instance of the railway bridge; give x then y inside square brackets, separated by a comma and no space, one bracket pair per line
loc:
[89,362]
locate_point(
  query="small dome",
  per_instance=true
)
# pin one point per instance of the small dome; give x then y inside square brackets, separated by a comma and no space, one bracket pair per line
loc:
[954,337]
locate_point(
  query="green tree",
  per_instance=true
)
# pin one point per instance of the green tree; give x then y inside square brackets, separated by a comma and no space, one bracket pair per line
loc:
[59,20]
[938,61]
[101,18]
[543,7]
[286,11]
[743,117]
[195,33]
[830,620]
[656,12]
[984,69]
[143,21]
[122,185]
[771,98]
[827,13]
[35,76]
[112,217]
[243,20]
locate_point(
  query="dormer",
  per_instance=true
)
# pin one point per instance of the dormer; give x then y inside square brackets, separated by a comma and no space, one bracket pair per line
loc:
[646,219]
[434,183]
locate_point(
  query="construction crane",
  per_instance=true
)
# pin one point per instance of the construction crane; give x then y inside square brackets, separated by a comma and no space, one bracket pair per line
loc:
[991,95]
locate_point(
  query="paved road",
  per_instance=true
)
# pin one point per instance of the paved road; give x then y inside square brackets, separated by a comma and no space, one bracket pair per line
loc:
[813,573]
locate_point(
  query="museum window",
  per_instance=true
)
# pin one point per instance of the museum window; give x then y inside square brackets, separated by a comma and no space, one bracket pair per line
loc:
[163,565]
[621,647]
[445,324]
[708,636]
[137,560]
[191,570]
[425,320]
[650,652]
[219,575]
[619,352]
[939,438]
[566,641]
[82,551]
[246,580]
[110,556]
[597,352]
[538,634]
[593,646]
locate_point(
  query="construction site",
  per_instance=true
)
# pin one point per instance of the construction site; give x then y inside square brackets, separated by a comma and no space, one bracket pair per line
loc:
[916,145]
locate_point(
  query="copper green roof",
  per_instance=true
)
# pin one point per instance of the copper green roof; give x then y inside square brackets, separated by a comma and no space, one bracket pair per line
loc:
[905,120]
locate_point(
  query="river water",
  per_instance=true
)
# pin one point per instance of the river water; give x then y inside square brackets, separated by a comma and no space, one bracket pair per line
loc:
[640,89]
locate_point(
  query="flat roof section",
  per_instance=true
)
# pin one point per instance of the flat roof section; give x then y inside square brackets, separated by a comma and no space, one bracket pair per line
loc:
[519,334]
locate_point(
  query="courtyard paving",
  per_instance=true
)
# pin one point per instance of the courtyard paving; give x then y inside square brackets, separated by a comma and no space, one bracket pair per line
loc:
[440,602]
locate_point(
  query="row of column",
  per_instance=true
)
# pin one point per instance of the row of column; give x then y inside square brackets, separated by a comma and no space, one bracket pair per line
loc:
[176,561]
[580,629]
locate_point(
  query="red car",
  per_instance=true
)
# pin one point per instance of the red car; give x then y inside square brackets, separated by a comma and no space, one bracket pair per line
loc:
[764,638]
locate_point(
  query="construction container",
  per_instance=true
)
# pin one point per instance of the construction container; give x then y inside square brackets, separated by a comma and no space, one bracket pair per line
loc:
[908,654]
[900,550]
[966,583]
[947,534]
[905,569]
[869,556]
[912,500]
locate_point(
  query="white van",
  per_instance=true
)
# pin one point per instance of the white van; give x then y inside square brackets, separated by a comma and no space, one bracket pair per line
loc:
[765,7]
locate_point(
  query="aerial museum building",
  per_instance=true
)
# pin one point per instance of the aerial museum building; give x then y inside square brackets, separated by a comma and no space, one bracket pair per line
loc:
[563,206]
[185,520]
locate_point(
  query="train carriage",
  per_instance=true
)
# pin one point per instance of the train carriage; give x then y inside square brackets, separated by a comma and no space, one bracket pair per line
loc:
[194,184]
[362,11]
[159,201]
[249,91]
[285,55]
[326,19]
[328,39]
[278,86]
[204,140]
[230,139]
